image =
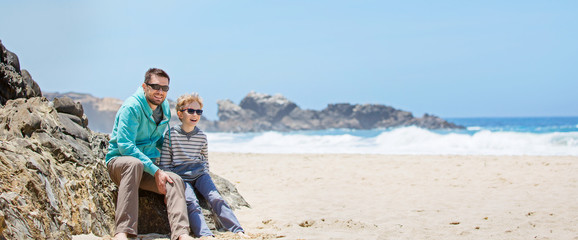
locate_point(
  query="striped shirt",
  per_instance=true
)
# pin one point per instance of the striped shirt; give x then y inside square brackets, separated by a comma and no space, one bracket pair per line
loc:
[181,148]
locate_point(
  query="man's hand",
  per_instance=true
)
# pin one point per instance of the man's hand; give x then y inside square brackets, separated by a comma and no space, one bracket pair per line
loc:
[161,179]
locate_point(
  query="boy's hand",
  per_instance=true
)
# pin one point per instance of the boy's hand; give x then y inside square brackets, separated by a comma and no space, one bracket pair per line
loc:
[161,179]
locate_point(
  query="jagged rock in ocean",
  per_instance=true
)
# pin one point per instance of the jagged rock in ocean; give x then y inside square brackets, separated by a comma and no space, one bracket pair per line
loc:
[262,112]
[269,108]
[366,116]
[14,82]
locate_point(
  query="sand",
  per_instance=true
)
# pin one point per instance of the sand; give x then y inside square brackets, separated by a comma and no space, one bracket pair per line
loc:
[343,196]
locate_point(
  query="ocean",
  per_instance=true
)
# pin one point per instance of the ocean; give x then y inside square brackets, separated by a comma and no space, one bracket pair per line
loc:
[542,136]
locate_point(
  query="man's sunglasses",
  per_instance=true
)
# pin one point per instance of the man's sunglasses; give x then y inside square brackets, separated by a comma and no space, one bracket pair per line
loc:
[157,87]
[191,111]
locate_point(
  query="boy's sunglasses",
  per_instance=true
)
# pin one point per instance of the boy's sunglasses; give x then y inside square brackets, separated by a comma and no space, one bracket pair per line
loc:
[191,111]
[157,87]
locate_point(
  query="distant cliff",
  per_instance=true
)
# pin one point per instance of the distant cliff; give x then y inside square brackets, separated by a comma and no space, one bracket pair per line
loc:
[263,112]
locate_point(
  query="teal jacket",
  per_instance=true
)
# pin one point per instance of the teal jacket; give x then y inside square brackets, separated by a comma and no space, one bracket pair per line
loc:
[135,132]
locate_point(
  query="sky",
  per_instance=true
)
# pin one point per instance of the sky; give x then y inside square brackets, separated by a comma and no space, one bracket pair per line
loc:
[446,58]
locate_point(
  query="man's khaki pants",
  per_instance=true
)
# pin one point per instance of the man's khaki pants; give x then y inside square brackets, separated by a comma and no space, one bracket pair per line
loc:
[127,172]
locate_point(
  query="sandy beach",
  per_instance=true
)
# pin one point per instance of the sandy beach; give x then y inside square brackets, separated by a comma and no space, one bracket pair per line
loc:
[343,196]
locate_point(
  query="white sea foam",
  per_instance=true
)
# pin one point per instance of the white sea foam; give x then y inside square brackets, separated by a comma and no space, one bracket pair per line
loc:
[475,128]
[406,140]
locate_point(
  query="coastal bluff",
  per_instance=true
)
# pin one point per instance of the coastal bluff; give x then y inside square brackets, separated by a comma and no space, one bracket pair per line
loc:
[259,112]
[53,180]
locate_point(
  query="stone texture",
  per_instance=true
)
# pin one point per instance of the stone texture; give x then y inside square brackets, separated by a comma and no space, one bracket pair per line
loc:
[54,184]
[15,83]
[67,105]
[268,108]
[2,225]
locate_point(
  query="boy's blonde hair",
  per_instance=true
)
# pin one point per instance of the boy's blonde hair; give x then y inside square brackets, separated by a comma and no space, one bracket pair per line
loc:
[187,99]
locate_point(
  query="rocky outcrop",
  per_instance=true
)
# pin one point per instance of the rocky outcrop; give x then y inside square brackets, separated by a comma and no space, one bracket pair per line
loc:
[14,82]
[54,182]
[262,112]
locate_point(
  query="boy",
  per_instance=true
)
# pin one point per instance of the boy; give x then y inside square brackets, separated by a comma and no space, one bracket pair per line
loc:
[185,152]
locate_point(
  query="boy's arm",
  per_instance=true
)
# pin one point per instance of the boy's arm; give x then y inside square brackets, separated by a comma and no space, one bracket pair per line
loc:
[166,152]
[205,153]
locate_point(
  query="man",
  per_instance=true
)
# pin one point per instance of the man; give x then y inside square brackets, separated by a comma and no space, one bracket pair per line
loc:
[136,137]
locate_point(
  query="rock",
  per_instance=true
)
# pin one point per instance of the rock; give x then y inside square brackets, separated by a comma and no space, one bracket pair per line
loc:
[100,111]
[67,105]
[12,60]
[15,83]
[57,185]
[431,121]
[2,225]
[338,116]
[33,89]
[229,111]
[71,128]
[153,212]
[299,119]
[368,115]
[261,112]
[268,108]
[83,122]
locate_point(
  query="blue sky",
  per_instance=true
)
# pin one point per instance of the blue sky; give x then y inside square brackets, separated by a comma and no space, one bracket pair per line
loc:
[447,58]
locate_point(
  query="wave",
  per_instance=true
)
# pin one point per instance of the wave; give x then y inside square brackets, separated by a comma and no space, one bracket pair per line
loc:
[405,140]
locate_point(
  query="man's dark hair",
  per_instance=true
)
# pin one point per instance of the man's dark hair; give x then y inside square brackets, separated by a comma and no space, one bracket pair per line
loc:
[155,71]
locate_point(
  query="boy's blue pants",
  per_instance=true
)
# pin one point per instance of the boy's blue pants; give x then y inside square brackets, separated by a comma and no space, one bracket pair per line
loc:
[205,186]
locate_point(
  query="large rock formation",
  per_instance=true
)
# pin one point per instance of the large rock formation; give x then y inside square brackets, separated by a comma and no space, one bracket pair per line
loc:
[262,112]
[53,181]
